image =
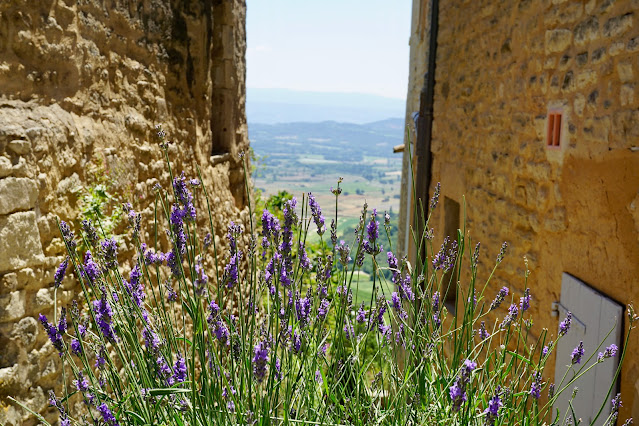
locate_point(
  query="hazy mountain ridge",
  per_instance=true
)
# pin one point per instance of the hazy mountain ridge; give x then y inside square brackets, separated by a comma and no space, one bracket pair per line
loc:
[351,141]
[272,106]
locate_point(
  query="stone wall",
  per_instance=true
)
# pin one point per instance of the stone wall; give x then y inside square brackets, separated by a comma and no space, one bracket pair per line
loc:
[82,85]
[501,66]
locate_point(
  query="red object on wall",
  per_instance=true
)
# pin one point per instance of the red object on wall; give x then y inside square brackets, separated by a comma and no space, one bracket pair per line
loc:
[553,137]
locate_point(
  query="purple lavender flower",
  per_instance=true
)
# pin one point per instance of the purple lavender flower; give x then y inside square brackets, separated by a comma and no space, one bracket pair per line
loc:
[551,390]
[270,229]
[483,334]
[458,390]
[171,294]
[524,302]
[457,395]
[184,196]
[608,353]
[344,250]
[90,232]
[179,369]
[260,360]
[305,262]
[372,230]
[546,350]
[577,353]
[393,265]
[222,332]
[231,270]
[103,314]
[323,308]
[76,347]
[107,415]
[100,359]
[565,324]
[475,256]
[177,228]
[110,252]
[278,369]
[174,262]
[616,404]
[135,287]
[361,314]
[164,371]
[81,384]
[492,412]
[303,310]
[333,232]
[68,236]
[59,273]
[318,377]
[55,332]
[503,292]
[151,340]
[231,273]
[290,218]
[535,386]
[55,402]
[208,240]
[91,270]
[502,252]
[395,301]
[316,212]
[439,261]
[436,318]
[510,318]
[405,290]
[435,198]
[201,279]
[349,331]
[215,310]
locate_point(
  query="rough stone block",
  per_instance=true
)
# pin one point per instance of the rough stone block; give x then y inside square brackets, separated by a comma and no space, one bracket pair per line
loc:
[12,306]
[624,69]
[44,298]
[586,78]
[26,330]
[627,94]
[616,48]
[587,30]
[20,147]
[17,253]
[617,25]
[5,166]
[17,194]
[558,40]
[9,282]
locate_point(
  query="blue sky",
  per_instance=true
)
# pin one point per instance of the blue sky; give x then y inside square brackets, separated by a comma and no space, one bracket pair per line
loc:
[329,45]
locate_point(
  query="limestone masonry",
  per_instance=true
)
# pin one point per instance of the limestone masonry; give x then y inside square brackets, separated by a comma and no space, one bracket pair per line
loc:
[82,85]
[501,68]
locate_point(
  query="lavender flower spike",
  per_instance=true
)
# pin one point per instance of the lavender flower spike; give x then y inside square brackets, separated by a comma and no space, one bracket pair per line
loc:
[59,274]
[608,353]
[565,324]
[577,353]
[316,212]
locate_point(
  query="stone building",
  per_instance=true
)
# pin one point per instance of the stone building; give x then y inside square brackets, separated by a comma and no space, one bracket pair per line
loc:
[82,85]
[536,129]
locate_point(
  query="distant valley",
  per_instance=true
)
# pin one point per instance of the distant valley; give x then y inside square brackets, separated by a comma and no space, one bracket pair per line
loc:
[303,157]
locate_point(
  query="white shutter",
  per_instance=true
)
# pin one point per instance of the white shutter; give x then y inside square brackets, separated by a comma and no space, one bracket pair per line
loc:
[594,316]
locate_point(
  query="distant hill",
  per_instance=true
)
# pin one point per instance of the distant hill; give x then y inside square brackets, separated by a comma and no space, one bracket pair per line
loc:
[272,106]
[347,142]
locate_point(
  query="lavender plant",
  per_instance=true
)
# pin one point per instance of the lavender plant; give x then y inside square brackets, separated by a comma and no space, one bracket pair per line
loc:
[278,337]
